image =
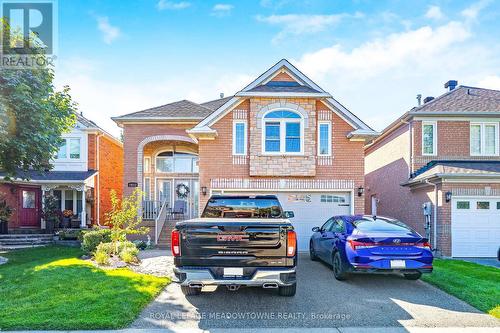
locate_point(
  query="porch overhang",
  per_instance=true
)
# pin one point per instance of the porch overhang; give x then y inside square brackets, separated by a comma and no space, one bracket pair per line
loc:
[202,133]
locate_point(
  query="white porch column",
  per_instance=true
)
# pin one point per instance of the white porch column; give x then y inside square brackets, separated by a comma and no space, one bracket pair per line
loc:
[83,222]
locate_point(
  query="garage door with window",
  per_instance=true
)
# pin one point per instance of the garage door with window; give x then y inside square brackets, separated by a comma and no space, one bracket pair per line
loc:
[475,227]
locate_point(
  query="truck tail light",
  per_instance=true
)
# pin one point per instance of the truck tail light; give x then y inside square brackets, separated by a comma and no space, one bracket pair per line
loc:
[291,244]
[175,243]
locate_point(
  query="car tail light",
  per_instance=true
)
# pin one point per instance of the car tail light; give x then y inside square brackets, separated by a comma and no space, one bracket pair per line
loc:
[175,242]
[355,245]
[291,244]
[425,245]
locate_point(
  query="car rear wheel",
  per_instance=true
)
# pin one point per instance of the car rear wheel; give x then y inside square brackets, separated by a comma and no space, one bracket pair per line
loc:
[312,253]
[339,270]
[288,290]
[190,291]
[413,276]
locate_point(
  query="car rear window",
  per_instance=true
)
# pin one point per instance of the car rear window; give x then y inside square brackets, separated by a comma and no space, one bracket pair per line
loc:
[243,208]
[380,225]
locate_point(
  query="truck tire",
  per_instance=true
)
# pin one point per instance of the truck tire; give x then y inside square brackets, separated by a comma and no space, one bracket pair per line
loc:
[288,290]
[189,291]
[413,276]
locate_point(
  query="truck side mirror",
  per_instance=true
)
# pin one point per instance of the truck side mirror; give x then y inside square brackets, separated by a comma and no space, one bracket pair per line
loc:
[288,214]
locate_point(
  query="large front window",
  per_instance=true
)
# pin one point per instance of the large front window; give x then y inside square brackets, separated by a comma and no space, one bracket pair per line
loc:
[484,139]
[283,133]
[169,161]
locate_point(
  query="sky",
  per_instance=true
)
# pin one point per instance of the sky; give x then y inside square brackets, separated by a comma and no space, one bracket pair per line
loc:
[372,56]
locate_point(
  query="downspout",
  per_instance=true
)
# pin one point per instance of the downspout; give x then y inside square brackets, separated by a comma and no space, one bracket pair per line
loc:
[98,151]
[434,227]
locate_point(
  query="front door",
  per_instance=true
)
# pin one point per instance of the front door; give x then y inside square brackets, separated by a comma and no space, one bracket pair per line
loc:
[29,207]
[187,190]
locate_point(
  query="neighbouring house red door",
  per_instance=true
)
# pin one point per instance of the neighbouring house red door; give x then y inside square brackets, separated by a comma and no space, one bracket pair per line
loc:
[29,206]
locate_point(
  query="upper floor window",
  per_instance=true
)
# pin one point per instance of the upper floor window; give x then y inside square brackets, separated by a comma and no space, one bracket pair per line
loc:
[429,138]
[169,161]
[69,148]
[324,138]
[283,133]
[240,138]
[484,139]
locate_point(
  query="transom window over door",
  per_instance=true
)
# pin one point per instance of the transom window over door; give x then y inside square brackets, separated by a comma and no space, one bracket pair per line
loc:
[283,133]
[169,161]
[484,139]
[429,138]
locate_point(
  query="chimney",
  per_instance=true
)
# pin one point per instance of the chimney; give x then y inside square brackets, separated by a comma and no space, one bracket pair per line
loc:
[428,99]
[419,99]
[451,84]
[221,95]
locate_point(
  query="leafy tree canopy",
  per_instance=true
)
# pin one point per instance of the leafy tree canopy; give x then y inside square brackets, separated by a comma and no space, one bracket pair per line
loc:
[33,115]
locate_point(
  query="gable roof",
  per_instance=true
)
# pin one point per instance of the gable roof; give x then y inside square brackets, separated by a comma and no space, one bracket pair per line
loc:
[177,110]
[217,103]
[91,125]
[463,99]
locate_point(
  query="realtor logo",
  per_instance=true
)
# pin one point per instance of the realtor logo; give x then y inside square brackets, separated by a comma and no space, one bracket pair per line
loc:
[28,33]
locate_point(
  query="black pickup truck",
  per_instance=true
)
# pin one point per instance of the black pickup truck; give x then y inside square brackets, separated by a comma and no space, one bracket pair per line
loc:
[239,241]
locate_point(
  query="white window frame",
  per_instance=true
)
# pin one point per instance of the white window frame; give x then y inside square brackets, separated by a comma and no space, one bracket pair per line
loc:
[147,166]
[434,137]
[282,122]
[245,137]
[147,194]
[482,126]
[329,124]
[68,150]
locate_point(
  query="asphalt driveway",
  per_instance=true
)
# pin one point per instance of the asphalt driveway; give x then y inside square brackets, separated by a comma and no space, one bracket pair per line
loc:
[321,301]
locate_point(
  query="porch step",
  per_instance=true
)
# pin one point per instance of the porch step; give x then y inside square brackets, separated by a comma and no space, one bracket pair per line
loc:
[165,234]
[28,240]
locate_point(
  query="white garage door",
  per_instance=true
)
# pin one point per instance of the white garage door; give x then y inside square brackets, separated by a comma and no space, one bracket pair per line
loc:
[312,210]
[475,227]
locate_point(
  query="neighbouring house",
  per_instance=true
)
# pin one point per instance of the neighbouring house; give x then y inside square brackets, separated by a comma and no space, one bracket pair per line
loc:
[88,165]
[282,134]
[444,152]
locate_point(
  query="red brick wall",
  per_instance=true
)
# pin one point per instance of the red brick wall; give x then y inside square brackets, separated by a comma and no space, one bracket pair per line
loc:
[133,135]
[110,174]
[92,147]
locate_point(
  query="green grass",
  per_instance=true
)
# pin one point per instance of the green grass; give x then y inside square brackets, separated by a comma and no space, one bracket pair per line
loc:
[475,284]
[50,288]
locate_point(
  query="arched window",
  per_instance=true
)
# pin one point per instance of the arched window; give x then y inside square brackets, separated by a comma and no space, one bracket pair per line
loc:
[169,161]
[283,132]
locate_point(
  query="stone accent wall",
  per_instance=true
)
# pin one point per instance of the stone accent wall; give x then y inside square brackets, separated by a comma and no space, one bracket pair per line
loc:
[288,165]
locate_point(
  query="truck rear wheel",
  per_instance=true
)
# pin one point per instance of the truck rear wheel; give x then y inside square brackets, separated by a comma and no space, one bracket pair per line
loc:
[190,291]
[288,290]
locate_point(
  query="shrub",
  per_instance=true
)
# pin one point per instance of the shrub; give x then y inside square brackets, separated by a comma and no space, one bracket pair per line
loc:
[106,248]
[68,234]
[91,239]
[129,254]
[141,245]
[101,256]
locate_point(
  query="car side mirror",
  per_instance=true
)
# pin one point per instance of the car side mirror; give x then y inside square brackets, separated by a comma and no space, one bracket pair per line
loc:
[315,229]
[288,214]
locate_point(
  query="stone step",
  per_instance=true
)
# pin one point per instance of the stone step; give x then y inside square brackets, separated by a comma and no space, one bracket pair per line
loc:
[25,236]
[24,242]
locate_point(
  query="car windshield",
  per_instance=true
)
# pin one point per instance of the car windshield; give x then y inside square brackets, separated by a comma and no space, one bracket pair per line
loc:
[243,208]
[368,224]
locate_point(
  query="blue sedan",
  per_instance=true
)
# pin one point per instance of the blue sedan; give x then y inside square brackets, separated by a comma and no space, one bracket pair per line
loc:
[370,244]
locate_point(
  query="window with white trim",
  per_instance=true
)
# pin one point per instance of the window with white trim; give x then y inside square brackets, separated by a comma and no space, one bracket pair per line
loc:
[429,138]
[69,148]
[484,139]
[239,137]
[283,133]
[324,138]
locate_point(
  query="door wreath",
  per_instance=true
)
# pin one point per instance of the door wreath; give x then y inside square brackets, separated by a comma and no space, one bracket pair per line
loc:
[182,191]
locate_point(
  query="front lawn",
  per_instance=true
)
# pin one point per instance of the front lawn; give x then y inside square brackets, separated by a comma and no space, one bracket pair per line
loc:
[50,288]
[475,284]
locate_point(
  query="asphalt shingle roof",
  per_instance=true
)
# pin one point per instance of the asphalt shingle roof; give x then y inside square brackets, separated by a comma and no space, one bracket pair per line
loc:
[464,99]
[54,175]
[458,167]
[215,104]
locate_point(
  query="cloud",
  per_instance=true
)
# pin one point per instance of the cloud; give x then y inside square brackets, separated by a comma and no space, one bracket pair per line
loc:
[275,4]
[221,10]
[172,5]
[490,82]
[472,12]
[109,32]
[434,12]
[299,24]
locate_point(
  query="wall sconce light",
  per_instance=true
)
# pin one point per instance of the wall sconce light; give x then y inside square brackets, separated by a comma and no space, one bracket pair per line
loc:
[447,196]
[203,190]
[361,190]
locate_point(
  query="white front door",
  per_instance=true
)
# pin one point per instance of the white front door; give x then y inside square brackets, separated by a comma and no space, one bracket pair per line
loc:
[374,206]
[475,226]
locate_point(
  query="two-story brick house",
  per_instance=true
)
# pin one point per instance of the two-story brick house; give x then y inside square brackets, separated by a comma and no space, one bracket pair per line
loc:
[445,152]
[281,134]
[88,165]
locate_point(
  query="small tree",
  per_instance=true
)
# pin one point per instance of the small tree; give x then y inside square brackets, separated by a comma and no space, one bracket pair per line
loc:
[51,212]
[5,209]
[124,218]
